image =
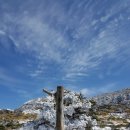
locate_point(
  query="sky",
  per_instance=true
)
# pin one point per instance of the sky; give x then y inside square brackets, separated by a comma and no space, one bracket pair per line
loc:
[83,45]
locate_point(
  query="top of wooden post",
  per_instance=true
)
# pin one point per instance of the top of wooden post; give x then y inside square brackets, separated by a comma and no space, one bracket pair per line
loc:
[60,87]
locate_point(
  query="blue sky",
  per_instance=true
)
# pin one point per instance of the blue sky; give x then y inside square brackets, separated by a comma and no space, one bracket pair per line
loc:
[83,45]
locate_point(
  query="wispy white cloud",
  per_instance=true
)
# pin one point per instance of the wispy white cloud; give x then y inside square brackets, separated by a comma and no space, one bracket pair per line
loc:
[91,56]
[7,79]
[36,37]
[2,32]
[90,44]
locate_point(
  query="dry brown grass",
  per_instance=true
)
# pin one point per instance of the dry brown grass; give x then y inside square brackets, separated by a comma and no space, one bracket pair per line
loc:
[10,120]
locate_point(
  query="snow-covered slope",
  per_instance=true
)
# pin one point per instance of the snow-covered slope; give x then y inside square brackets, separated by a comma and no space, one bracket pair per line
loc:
[40,113]
[75,112]
[118,97]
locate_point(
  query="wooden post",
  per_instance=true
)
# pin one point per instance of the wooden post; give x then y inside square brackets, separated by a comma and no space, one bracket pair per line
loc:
[59,108]
[88,126]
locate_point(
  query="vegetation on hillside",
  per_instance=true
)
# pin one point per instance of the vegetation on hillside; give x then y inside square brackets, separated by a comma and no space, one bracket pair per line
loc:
[11,119]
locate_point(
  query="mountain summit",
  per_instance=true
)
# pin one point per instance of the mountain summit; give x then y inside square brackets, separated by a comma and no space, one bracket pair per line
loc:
[40,113]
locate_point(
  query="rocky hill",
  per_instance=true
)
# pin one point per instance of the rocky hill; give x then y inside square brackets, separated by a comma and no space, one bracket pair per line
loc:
[39,114]
[117,97]
[113,108]
[75,112]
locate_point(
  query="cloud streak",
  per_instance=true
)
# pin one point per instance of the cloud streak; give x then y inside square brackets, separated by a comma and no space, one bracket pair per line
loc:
[75,44]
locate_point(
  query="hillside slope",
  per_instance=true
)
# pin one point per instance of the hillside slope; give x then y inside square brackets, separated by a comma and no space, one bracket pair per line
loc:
[117,97]
[100,113]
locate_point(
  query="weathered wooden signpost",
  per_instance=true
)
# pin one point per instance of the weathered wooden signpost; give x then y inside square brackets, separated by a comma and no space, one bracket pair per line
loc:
[59,108]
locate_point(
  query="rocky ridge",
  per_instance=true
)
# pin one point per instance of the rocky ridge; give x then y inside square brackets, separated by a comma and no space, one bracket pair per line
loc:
[117,97]
[99,112]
